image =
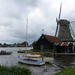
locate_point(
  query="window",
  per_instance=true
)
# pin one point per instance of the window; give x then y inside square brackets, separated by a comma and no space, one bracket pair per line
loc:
[42,37]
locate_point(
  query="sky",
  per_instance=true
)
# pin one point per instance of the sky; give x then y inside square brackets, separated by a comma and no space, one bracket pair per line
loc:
[41,15]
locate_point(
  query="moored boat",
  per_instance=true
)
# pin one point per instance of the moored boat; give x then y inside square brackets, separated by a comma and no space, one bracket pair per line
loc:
[5,53]
[27,60]
[46,59]
[31,61]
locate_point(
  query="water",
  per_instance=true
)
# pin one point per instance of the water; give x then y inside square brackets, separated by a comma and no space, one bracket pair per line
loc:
[59,62]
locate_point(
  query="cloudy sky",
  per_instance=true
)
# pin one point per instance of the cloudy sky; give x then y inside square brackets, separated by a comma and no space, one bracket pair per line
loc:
[41,15]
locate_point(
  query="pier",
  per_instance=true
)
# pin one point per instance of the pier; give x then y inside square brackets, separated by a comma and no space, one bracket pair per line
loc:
[67,54]
[49,54]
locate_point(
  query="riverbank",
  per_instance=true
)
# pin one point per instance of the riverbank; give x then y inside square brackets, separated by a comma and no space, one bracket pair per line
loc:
[67,71]
[14,70]
[47,53]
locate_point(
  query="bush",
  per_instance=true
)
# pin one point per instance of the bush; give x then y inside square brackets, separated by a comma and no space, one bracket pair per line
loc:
[14,70]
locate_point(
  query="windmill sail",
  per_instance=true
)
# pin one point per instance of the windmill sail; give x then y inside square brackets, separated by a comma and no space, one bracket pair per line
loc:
[65,30]
[58,19]
[72,32]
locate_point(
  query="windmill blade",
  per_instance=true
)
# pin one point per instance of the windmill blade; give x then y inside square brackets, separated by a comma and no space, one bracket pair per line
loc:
[56,30]
[60,11]
[56,27]
[58,19]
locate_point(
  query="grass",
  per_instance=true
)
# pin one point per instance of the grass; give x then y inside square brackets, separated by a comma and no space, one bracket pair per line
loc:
[67,71]
[36,50]
[14,70]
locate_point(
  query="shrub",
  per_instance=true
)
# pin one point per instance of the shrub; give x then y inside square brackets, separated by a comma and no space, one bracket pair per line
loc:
[14,70]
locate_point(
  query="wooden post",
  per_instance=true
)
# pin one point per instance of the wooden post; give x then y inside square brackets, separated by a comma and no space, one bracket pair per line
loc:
[65,49]
[73,48]
[68,49]
[55,49]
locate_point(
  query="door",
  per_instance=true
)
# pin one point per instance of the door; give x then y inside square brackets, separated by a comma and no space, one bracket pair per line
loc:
[41,47]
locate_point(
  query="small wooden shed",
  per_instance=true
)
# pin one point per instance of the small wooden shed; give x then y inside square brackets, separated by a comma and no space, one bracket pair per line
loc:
[46,42]
[67,47]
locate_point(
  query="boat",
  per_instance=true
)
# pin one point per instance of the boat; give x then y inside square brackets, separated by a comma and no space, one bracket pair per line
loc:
[31,61]
[5,53]
[27,60]
[37,57]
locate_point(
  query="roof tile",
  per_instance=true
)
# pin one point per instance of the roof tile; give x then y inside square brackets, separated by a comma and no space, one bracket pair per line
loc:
[65,44]
[53,39]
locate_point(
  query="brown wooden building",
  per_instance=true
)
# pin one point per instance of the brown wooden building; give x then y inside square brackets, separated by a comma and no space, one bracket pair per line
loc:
[46,42]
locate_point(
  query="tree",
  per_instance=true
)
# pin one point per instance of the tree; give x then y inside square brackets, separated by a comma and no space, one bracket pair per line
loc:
[0,44]
[5,44]
[24,43]
[18,43]
[33,43]
[14,43]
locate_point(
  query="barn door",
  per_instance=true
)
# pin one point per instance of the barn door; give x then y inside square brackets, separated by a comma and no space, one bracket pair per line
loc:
[41,47]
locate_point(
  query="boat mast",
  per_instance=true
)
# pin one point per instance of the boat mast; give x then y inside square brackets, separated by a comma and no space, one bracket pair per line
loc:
[26,35]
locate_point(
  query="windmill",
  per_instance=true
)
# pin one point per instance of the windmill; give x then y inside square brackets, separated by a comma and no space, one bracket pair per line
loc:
[65,29]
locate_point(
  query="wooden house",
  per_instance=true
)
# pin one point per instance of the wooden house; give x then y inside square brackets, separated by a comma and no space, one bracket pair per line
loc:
[46,42]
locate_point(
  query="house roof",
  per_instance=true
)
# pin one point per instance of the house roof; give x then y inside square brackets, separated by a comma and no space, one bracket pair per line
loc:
[65,43]
[53,39]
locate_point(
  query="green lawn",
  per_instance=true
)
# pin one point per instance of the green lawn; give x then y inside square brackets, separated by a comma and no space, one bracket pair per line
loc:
[67,71]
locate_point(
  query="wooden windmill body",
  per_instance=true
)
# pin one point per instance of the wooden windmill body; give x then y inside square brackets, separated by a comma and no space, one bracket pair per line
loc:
[64,31]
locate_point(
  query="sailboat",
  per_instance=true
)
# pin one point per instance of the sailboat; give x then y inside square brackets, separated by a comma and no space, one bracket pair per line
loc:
[27,60]
[38,57]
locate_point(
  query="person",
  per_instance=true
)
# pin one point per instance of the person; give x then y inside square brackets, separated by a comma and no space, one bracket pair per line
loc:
[2,51]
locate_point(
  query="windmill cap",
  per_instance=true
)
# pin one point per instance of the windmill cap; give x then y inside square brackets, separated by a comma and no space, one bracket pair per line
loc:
[63,21]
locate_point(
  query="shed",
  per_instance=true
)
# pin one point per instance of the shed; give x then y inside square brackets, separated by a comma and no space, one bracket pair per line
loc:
[67,47]
[46,42]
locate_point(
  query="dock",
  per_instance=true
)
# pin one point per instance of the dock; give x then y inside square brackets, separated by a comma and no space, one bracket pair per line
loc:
[67,54]
[49,54]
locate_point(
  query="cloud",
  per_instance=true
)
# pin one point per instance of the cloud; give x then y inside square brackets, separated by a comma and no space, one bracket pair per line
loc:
[12,19]
[41,15]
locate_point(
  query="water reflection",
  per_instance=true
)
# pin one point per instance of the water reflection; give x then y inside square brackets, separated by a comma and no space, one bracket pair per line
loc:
[64,61]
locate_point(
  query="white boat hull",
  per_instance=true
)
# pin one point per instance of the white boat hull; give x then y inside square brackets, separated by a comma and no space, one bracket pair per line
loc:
[31,63]
[46,59]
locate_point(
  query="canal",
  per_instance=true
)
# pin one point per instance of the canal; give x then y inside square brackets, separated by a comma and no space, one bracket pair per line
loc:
[58,63]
